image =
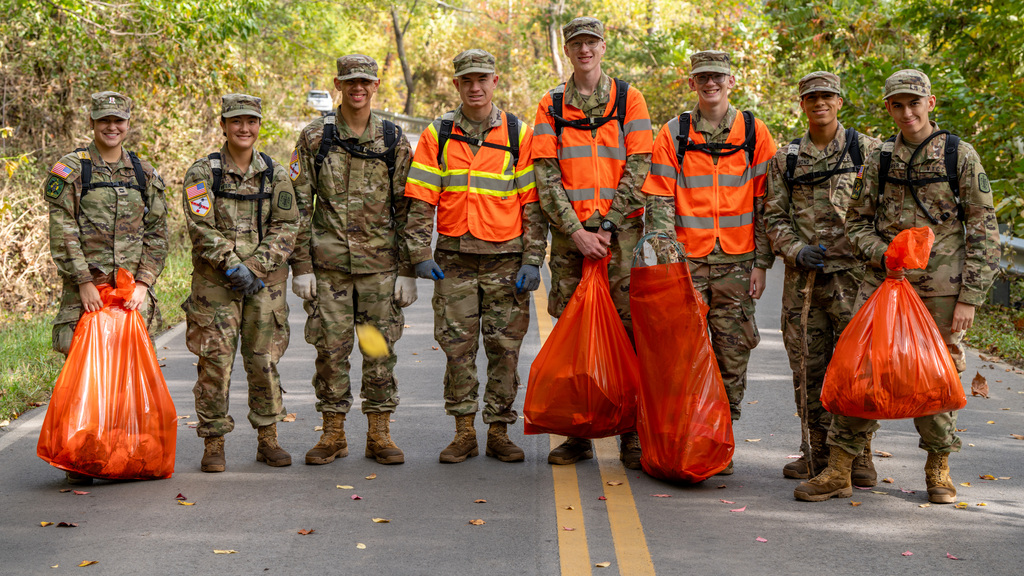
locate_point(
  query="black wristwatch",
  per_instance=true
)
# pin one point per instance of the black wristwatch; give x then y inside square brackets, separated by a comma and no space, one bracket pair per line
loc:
[608,226]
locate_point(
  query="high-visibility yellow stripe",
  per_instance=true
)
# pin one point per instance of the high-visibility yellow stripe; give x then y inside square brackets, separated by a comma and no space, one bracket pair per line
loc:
[631,552]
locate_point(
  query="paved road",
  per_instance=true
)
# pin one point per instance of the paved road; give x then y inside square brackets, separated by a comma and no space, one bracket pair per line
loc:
[138,527]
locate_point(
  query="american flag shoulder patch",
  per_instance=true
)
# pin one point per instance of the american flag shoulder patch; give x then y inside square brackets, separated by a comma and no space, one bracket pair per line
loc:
[197,189]
[61,169]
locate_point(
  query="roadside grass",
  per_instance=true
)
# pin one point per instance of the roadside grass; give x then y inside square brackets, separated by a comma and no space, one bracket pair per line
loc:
[28,365]
[998,331]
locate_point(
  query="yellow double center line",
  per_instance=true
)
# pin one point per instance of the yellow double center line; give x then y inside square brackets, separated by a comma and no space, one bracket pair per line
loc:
[631,552]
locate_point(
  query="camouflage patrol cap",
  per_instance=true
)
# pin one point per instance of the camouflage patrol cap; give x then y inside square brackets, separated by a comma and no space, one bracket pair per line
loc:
[583,25]
[110,104]
[710,61]
[819,82]
[357,66]
[908,82]
[472,61]
[232,105]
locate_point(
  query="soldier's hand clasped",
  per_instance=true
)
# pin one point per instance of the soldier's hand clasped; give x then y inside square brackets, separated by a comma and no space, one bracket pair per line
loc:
[528,278]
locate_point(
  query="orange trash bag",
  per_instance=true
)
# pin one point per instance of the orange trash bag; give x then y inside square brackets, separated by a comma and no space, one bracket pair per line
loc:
[684,420]
[891,362]
[583,382]
[110,415]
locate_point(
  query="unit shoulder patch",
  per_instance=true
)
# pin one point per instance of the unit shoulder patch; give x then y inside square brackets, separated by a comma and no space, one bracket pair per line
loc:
[293,167]
[55,187]
[200,205]
[983,184]
[284,200]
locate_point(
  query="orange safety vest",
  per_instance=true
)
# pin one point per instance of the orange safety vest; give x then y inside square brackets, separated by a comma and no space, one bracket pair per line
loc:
[593,165]
[712,201]
[480,193]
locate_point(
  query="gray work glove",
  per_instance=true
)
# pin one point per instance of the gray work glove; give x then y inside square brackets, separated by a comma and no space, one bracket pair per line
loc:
[430,270]
[240,277]
[528,278]
[811,257]
[255,286]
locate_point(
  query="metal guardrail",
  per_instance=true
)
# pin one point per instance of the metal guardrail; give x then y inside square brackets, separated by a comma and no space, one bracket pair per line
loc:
[409,124]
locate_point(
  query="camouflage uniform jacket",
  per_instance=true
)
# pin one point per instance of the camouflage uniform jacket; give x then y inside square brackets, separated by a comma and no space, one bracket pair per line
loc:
[108,228]
[661,213]
[351,219]
[810,215]
[420,227]
[227,233]
[628,197]
[965,256]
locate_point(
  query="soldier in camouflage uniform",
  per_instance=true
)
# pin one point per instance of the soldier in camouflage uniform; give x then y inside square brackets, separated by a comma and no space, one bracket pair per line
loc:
[589,175]
[241,216]
[348,264]
[961,266]
[729,279]
[113,221]
[491,241]
[805,213]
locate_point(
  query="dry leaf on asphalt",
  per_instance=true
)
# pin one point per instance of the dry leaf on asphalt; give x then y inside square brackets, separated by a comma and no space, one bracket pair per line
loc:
[662,495]
[908,553]
[924,506]
[979,386]
[344,487]
[55,566]
[883,454]
[905,491]
[990,422]
[63,490]
[726,501]
[318,428]
[80,492]
[1004,477]
[5,423]
[854,503]
[356,497]
[88,563]
[603,564]
[888,480]
[183,503]
[180,496]
[480,501]
[760,539]
[720,486]
[602,498]
[477,522]
[381,520]
[45,524]
[967,484]
[360,545]
[613,483]
[951,557]
[753,402]
[570,508]
[305,532]
[739,509]
[1017,436]
[67,525]
[879,492]
[981,504]
[371,476]
[962,505]
[289,418]
[567,529]
[753,439]
[225,551]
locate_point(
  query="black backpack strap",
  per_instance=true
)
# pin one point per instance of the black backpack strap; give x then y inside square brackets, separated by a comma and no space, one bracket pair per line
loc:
[266,176]
[683,139]
[884,164]
[853,144]
[750,138]
[326,140]
[443,135]
[556,110]
[392,134]
[218,172]
[86,163]
[791,155]
[951,158]
[621,92]
[618,112]
[512,127]
[852,148]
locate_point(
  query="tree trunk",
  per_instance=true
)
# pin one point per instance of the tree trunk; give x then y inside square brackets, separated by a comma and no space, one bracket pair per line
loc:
[410,79]
[557,9]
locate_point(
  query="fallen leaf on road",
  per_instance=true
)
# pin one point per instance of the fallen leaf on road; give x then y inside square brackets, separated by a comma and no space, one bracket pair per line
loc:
[567,529]
[883,454]
[753,439]
[854,503]
[924,506]
[372,476]
[88,563]
[726,501]
[5,423]
[63,490]
[305,532]
[406,326]
[961,429]
[1005,408]
[1017,436]
[879,492]
[318,428]
[862,488]
[794,456]
[433,348]
[67,525]
[477,522]
[290,417]
[979,386]
[760,539]
[990,422]
[720,486]
[1004,477]
[80,492]
[225,551]
[344,487]
[961,505]
[601,498]
[603,564]
[888,480]
[738,509]
[981,504]
[905,491]
[361,546]
[55,566]
[570,508]
[356,497]
[44,524]
[986,358]
[662,495]
[180,496]
[381,520]
[183,503]
[908,553]
[967,484]
[753,402]
[613,483]
[987,477]
[951,557]
[480,501]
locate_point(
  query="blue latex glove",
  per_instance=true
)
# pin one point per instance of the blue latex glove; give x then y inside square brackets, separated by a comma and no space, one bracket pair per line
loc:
[240,277]
[430,270]
[528,278]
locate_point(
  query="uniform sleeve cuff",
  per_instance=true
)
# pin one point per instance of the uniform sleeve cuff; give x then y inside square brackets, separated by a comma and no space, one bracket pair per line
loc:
[972,297]
[147,278]
[615,217]
[256,268]
[83,277]
[300,268]
[419,255]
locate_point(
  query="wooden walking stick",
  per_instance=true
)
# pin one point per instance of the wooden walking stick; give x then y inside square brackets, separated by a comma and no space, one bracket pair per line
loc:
[805,431]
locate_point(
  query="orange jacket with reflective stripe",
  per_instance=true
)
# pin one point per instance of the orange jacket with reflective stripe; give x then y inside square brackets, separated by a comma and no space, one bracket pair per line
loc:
[593,165]
[483,193]
[712,201]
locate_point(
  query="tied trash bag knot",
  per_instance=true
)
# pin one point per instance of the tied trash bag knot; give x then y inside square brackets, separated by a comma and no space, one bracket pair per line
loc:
[111,415]
[891,362]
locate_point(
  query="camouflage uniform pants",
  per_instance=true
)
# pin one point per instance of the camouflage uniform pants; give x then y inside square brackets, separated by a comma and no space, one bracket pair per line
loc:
[566,267]
[216,316]
[833,296]
[938,432]
[724,288]
[71,310]
[342,301]
[478,297]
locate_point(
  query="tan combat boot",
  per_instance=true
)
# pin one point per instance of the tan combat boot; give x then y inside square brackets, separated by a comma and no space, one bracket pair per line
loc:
[213,456]
[500,446]
[834,482]
[571,451]
[464,445]
[818,451]
[864,474]
[629,450]
[378,439]
[332,442]
[936,475]
[269,450]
